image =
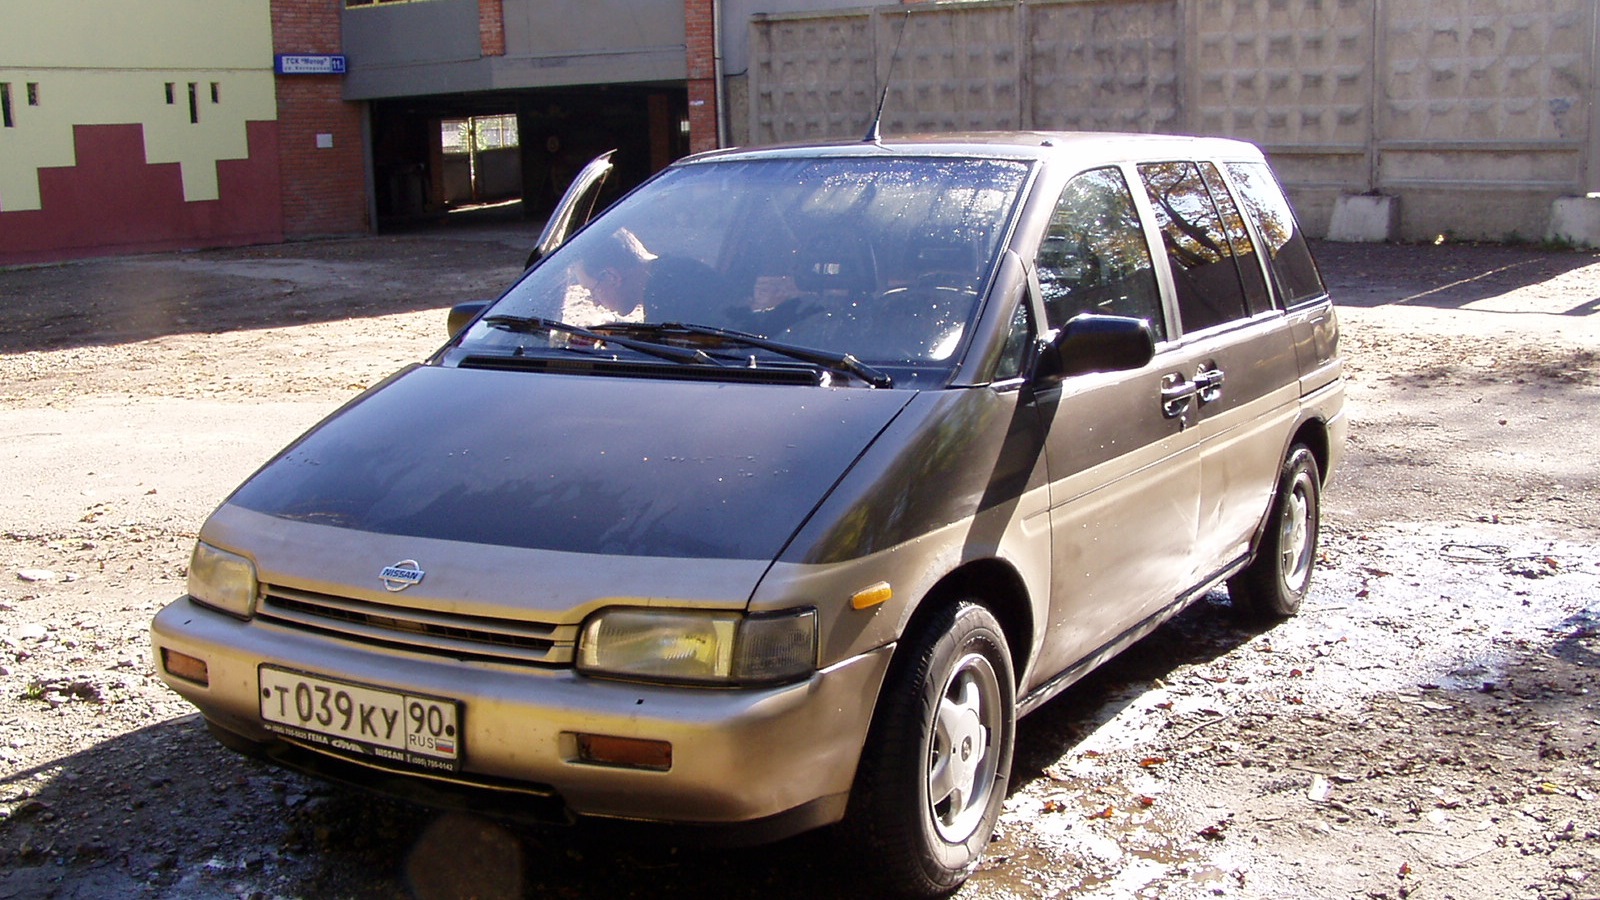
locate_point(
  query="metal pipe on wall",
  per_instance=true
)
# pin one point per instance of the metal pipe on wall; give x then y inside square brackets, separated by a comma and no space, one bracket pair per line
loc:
[716,72]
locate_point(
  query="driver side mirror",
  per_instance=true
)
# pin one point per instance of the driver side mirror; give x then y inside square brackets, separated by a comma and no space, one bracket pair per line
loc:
[1096,343]
[462,314]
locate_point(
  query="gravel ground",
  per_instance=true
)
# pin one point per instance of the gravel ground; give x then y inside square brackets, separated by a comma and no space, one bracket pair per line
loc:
[1427,727]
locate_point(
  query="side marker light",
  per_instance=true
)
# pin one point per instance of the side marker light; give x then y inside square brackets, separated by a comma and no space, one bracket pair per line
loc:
[867,598]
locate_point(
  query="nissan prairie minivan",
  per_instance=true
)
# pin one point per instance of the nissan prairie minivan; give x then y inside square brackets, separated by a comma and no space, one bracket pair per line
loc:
[771,497]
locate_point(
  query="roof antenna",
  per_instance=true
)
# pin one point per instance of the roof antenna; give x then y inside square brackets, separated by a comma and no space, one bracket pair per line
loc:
[875,130]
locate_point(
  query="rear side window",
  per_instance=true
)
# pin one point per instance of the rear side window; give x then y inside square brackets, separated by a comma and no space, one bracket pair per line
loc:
[1256,295]
[1094,258]
[1204,270]
[1292,266]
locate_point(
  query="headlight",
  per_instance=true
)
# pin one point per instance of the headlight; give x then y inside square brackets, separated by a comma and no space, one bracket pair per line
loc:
[222,580]
[698,646]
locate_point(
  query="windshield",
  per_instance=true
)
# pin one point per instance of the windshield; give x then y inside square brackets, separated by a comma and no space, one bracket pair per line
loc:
[879,259]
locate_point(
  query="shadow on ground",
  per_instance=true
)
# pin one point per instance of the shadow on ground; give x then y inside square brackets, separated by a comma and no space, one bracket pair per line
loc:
[135,298]
[167,810]
[1445,276]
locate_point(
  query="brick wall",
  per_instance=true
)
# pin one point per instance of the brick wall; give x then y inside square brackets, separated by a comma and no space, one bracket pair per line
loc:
[699,35]
[319,134]
[492,27]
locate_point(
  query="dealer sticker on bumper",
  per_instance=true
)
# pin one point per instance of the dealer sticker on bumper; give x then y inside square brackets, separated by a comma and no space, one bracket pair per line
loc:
[359,719]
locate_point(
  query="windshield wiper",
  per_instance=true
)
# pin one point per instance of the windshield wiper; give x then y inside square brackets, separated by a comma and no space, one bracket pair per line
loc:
[529,324]
[838,362]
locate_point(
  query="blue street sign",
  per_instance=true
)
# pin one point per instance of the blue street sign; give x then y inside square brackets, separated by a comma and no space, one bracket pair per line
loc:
[309,64]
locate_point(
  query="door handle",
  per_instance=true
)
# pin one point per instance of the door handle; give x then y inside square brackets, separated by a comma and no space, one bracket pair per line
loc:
[1208,384]
[1176,395]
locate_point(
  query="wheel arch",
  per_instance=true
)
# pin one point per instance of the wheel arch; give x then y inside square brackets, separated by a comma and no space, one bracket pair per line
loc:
[997,586]
[1313,435]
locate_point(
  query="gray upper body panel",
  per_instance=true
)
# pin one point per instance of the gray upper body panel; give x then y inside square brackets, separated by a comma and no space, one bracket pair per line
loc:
[576,463]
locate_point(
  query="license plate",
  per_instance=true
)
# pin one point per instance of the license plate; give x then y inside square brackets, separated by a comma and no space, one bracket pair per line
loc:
[360,719]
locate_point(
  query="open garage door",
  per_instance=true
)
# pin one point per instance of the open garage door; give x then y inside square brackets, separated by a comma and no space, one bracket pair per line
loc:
[520,149]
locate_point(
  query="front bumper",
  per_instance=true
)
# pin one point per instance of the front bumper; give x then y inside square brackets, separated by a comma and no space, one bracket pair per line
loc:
[739,756]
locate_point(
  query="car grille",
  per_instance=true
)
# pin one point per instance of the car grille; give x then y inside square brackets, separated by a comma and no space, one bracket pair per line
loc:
[424,631]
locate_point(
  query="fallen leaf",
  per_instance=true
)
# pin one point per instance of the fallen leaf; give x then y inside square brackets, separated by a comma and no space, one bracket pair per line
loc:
[1149,761]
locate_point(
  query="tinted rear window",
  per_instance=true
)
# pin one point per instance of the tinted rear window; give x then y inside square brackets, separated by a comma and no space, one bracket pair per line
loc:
[1294,269]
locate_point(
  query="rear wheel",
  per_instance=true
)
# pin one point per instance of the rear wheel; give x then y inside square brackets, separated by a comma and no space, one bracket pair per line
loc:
[1277,581]
[934,771]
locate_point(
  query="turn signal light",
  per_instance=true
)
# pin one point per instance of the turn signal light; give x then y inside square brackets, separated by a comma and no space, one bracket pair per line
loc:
[866,598]
[182,665]
[629,753]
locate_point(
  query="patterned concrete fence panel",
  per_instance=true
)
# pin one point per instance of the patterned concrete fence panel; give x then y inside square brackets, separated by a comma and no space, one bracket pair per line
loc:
[958,68]
[812,77]
[1485,111]
[1105,66]
[1473,116]
[1294,76]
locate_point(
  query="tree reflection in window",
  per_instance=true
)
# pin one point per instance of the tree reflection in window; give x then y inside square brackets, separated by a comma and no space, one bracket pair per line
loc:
[1203,271]
[1244,249]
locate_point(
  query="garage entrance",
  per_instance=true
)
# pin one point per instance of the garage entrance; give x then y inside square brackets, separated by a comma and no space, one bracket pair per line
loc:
[519,149]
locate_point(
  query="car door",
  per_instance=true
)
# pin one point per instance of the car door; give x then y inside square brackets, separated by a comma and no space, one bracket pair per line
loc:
[1239,352]
[578,205]
[1119,447]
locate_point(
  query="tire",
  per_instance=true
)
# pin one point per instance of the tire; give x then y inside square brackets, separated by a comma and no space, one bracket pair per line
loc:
[1278,579]
[934,771]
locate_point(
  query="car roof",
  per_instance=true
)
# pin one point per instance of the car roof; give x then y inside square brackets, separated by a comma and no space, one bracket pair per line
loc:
[1086,146]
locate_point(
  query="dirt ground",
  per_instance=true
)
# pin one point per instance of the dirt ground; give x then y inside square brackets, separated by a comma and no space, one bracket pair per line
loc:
[1426,728]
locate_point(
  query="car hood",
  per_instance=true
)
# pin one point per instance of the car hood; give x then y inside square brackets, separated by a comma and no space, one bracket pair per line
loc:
[581,464]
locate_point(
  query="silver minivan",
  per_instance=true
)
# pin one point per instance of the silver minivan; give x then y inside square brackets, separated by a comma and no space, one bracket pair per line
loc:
[773,495]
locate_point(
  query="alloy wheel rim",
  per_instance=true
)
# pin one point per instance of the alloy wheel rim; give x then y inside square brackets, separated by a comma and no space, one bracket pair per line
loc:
[1296,536]
[962,757]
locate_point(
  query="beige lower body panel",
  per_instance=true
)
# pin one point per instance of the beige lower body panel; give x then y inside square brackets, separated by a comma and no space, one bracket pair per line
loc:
[737,754]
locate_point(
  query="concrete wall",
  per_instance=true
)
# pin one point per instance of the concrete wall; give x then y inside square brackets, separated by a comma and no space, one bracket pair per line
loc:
[1475,114]
[436,47]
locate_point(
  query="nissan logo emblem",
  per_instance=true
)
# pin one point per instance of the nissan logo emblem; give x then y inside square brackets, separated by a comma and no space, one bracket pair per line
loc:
[401,575]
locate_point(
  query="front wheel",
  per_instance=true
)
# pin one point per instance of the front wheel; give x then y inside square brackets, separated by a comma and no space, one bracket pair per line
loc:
[933,774]
[1277,581]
